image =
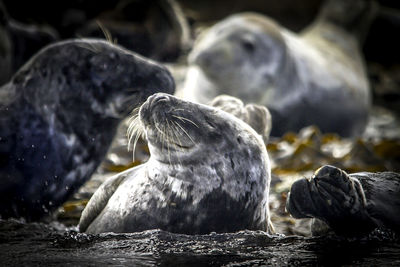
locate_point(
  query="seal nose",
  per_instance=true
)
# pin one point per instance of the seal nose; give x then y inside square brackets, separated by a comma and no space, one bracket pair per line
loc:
[327,171]
[157,98]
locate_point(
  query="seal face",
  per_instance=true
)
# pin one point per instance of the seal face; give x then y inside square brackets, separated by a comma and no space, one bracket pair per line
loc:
[300,78]
[208,171]
[350,204]
[58,116]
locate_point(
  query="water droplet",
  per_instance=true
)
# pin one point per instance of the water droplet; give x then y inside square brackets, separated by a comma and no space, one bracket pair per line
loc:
[45,209]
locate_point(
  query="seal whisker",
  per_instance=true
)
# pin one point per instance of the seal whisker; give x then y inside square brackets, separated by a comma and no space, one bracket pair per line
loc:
[173,130]
[135,112]
[191,139]
[134,123]
[134,146]
[135,130]
[168,142]
[185,119]
[91,47]
[106,32]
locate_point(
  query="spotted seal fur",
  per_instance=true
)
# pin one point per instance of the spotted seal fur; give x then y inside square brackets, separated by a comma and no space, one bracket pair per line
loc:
[208,172]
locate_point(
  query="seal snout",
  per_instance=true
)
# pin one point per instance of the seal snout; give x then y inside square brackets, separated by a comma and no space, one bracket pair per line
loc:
[327,171]
[298,196]
[154,105]
[157,98]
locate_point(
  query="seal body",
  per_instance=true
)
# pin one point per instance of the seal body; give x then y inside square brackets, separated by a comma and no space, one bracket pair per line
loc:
[300,78]
[208,172]
[352,204]
[58,116]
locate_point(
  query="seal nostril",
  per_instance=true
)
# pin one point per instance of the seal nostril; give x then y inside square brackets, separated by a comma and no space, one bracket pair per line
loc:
[157,98]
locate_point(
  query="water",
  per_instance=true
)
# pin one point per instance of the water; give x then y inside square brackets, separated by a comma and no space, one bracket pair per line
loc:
[37,244]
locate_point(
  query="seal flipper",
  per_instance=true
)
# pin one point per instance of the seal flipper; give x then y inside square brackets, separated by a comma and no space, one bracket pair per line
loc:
[100,198]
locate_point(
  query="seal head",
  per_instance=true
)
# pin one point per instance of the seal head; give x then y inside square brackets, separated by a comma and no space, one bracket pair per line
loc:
[352,204]
[241,56]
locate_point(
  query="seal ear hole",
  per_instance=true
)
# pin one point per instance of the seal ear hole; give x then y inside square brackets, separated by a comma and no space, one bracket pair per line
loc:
[239,140]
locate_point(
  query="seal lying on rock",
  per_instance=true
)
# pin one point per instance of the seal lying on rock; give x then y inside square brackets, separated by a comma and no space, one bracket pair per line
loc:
[58,116]
[258,117]
[350,204]
[208,172]
[317,77]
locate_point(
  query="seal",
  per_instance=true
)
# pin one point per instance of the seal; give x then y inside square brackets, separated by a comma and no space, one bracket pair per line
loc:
[351,204]
[58,116]
[300,78]
[208,172]
[258,117]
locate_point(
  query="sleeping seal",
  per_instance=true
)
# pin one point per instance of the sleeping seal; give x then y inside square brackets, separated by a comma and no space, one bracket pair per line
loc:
[317,77]
[208,172]
[58,116]
[352,204]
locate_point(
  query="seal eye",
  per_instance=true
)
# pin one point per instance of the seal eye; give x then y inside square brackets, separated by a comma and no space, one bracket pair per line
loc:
[248,45]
